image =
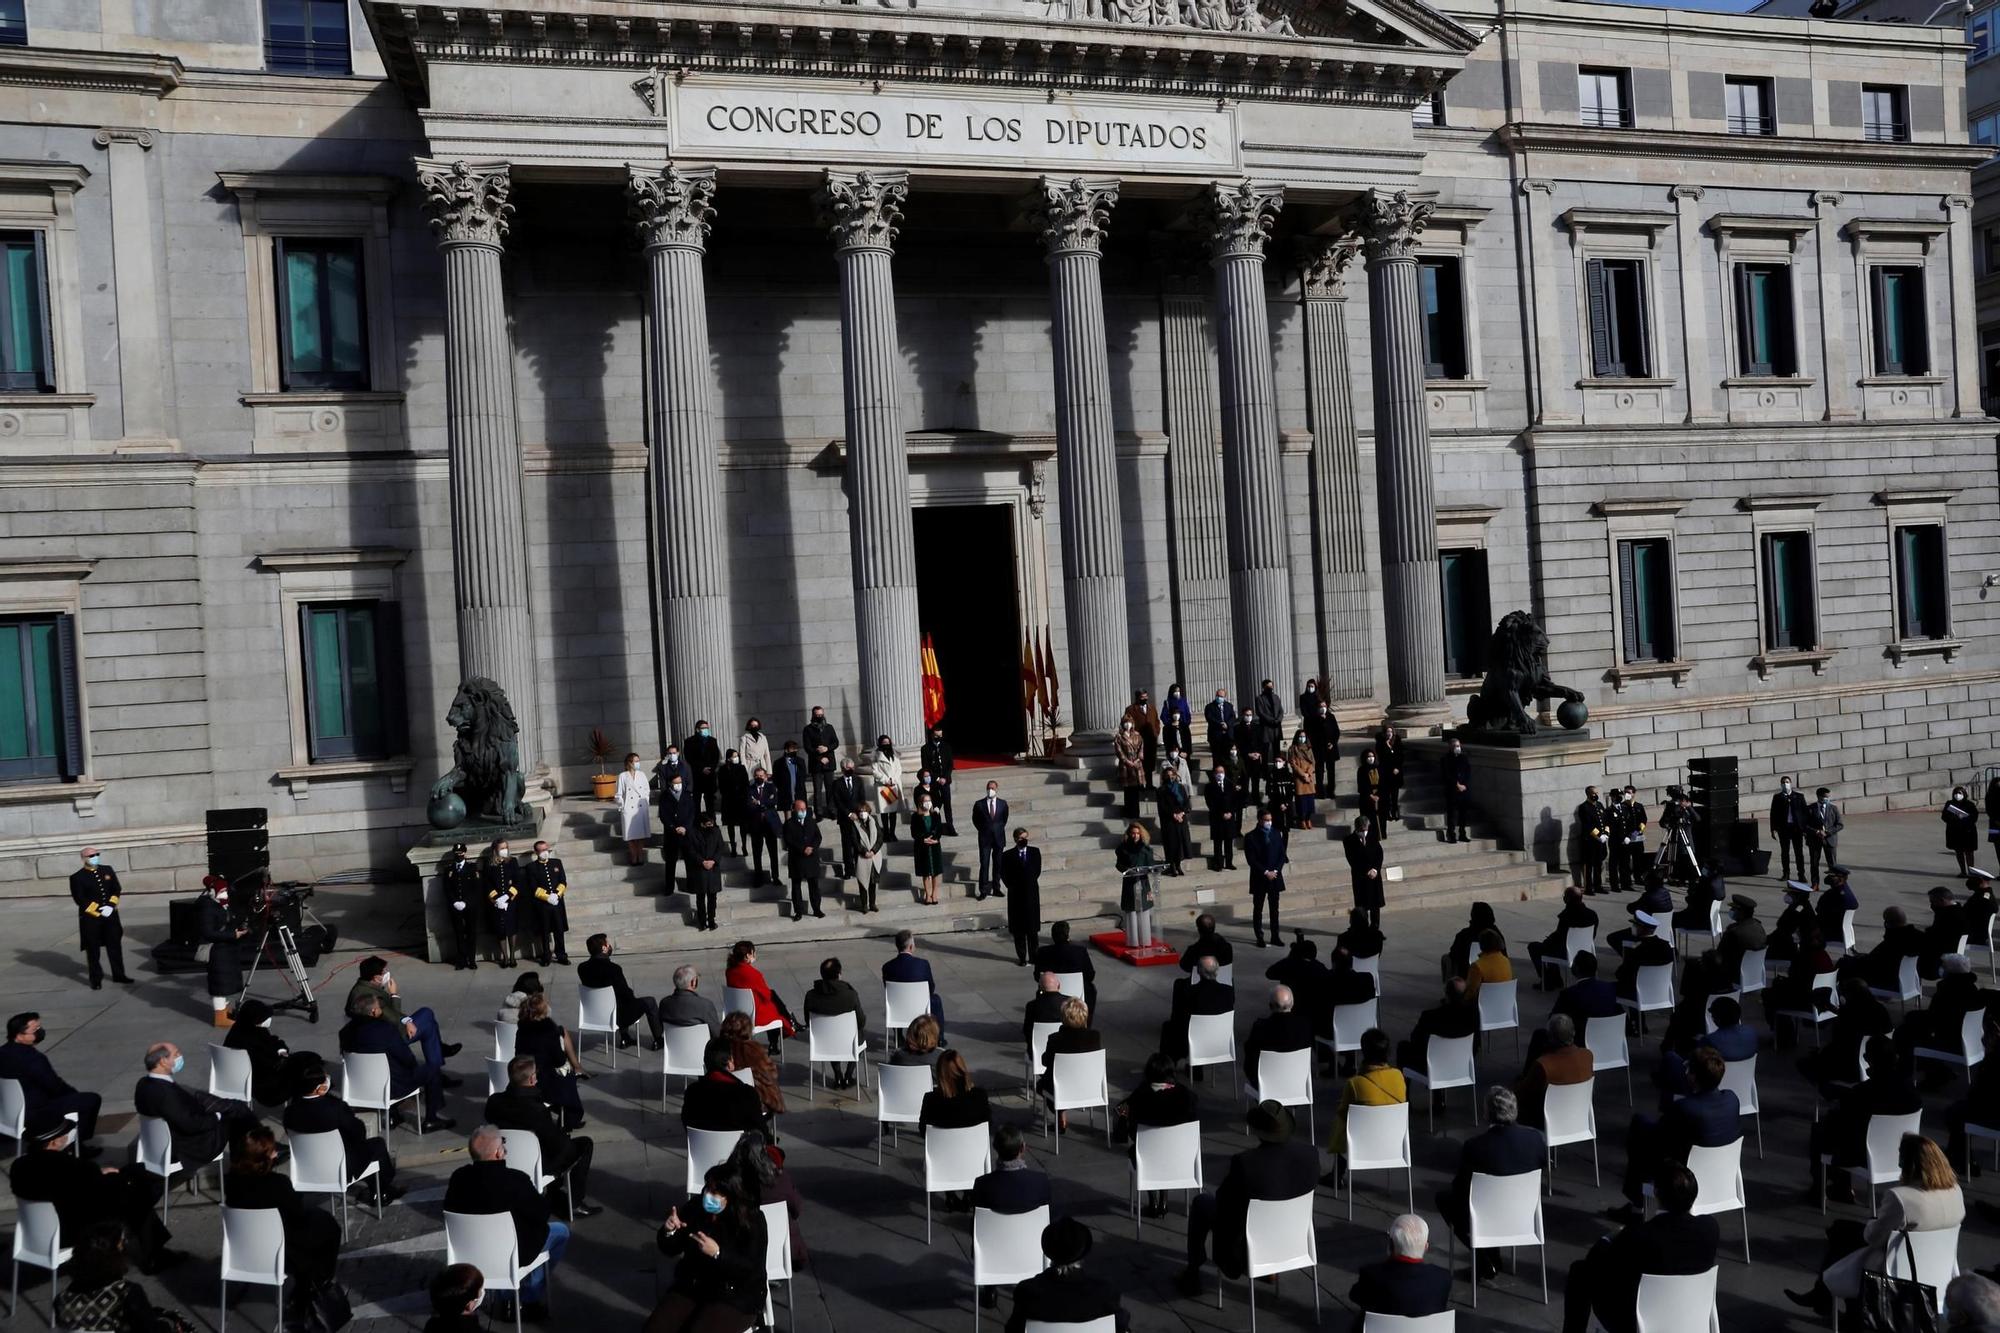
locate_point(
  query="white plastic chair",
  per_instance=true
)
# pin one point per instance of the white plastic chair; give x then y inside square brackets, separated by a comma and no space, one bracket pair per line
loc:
[1751,972]
[504,1037]
[1992,954]
[1683,936]
[597,1011]
[746,1076]
[706,1148]
[1974,1130]
[1279,1237]
[1070,983]
[683,1045]
[1105,1324]
[228,1073]
[1165,1157]
[1375,1322]
[156,1157]
[1740,1077]
[319,1166]
[253,1251]
[899,1099]
[1006,1249]
[496,1077]
[1038,1039]
[365,1086]
[836,1039]
[953,1160]
[1936,1254]
[1569,1113]
[1500,1008]
[1576,940]
[1822,981]
[903,1003]
[1678,1303]
[37,1243]
[524,1154]
[1718,1176]
[737,1000]
[487,1242]
[1846,940]
[1610,1048]
[778,1262]
[1286,1077]
[1372,965]
[1378,1139]
[1972,1044]
[1653,990]
[1212,1041]
[1908,986]
[1079,1084]
[1504,1211]
[1885,1135]
[14,1116]
[1349,1022]
[1448,1064]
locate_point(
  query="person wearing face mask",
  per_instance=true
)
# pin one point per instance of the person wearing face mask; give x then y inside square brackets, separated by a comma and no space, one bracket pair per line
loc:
[1593,832]
[1220,716]
[1961,829]
[1266,852]
[792,780]
[871,857]
[94,889]
[704,760]
[1021,872]
[733,801]
[822,746]
[42,1089]
[547,887]
[1269,710]
[1173,804]
[765,820]
[1788,827]
[802,841]
[1455,776]
[1823,826]
[503,900]
[224,938]
[459,887]
[1305,778]
[635,812]
[1176,763]
[885,776]
[718,1240]
[1364,863]
[755,746]
[989,829]
[1322,729]
[851,795]
[1176,719]
[199,1123]
[1224,798]
[704,865]
[1129,748]
[936,757]
[1389,753]
[1628,839]
[1256,759]
[677,811]
[1145,720]
[927,847]
[1368,785]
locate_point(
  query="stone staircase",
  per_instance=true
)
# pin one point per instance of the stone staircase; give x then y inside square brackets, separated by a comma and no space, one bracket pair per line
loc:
[1076,817]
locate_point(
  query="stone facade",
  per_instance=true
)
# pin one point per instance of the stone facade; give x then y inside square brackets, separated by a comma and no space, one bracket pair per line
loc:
[1184,407]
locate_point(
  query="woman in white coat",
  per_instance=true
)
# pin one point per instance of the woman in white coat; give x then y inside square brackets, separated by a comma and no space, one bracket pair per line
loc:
[1926,1197]
[873,859]
[755,747]
[886,773]
[635,812]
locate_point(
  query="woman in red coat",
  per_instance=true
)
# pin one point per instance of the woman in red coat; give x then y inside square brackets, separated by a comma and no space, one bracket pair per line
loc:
[742,974]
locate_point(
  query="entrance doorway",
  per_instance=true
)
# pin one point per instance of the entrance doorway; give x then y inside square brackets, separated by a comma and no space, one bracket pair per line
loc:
[968,602]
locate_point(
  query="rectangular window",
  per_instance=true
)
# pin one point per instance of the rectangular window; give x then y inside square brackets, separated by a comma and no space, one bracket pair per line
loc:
[1789,620]
[24,313]
[1989,251]
[1646,595]
[1443,295]
[1748,105]
[322,329]
[1986,130]
[13,22]
[1979,33]
[1896,307]
[1620,344]
[1604,97]
[1468,619]
[1764,343]
[1923,597]
[41,728]
[306,37]
[354,680]
[1429,111]
[1884,118]
[1989,367]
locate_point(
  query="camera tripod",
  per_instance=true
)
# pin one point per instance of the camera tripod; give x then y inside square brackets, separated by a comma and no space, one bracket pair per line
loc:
[1666,862]
[279,946]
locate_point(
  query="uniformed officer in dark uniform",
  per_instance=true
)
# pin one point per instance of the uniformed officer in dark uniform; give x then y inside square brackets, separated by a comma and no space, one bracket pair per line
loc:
[1628,840]
[547,914]
[95,889]
[1593,830]
[503,901]
[462,896]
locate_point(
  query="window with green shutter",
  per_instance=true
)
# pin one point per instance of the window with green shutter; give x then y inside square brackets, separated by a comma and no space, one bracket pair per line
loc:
[1764,343]
[322,329]
[1790,622]
[1646,598]
[1896,312]
[1620,334]
[1468,620]
[1923,596]
[41,727]
[24,313]
[354,680]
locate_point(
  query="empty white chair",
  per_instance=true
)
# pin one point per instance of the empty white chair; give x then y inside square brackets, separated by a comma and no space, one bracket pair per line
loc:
[524,1154]
[1079,1085]
[899,1098]
[684,1045]
[1609,1047]
[496,1077]
[835,1039]
[706,1148]
[953,1160]
[1971,1044]
[1569,1113]
[1740,1077]
[1006,1249]
[1908,987]
[156,1157]
[903,1003]
[1038,1039]
[1653,989]
[1718,1177]
[1166,1157]
[37,1243]
[1070,983]
[1679,1303]
[1349,1022]
[1885,1134]
[487,1242]
[1846,940]
[597,1011]
[1500,1008]
[1212,1041]
[228,1073]
[778,1261]
[1378,1139]
[364,1085]
[737,1000]
[1812,1013]
[319,1166]
[1750,972]
[504,1037]
[253,1251]
[1448,1063]
[1935,1254]
[1279,1237]
[1286,1077]
[1504,1211]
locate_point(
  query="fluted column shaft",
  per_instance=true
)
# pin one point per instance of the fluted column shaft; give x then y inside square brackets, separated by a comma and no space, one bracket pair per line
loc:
[1072,215]
[1405,492]
[468,207]
[1252,475]
[1343,593]
[1197,552]
[862,211]
[673,209]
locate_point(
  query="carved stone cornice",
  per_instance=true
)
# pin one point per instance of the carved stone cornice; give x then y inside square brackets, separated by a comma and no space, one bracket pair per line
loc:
[1323,264]
[862,210]
[672,207]
[1072,214]
[466,201]
[1686,146]
[1392,223]
[1239,217]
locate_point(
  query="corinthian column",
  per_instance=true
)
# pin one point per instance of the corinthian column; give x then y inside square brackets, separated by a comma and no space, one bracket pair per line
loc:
[1405,494]
[1239,219]
[861,212]
[672,209]
[468,208]
[1344,598]
[1071,215]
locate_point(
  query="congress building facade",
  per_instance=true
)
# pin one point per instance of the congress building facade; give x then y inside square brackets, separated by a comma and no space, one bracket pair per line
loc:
[667,361]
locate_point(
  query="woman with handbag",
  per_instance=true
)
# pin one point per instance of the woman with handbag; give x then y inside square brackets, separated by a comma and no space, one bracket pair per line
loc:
[886,773]
[1925,1198]
[100,1297]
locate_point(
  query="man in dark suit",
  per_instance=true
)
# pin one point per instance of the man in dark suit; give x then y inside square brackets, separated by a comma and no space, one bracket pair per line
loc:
[1045,1007]
[1589,995]
[1788,828]
[368,1033]
[1710,1118]
[1363,848]
[850,795]
[1823,826]
[200,1122]
[1207,944]
[1059,955]
[1011,1187]
[547,887]
[1063,1293]
[1948,926]
[1545,955]
[1835,901]
[565,1156]
[822,747]
[1941,1025]
[677,822]
[1269,710]
[1220,715]
[764,816]
[1882,965]
[1284,1028]
[1266,851]
[85,1195]
[1455,776]
[1842,1133]
[1673,1243]
[906,966]
[42,1089]
[704,760]
[1453,1016]
[989,830]
[687,1007]
[1224,799]
[1202,994]
[793,780]
[712,1103]
[1021,873]
[802,858]
[94,889]
[1308,978]
[1175,805]
[315,1110]
[937,756]
[1276,1168]
[1504,1148]
[1403,1284]
[487,1185]
[1731,1038]
[704,867]
[599,971]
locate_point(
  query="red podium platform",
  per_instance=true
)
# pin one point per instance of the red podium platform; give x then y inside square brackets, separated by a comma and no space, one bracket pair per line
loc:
[1157,954]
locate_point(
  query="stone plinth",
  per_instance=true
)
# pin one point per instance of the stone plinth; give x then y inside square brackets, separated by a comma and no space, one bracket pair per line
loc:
[1527,792]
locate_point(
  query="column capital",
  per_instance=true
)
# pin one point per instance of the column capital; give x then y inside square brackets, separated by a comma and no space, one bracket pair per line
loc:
[1391,223]
[1240,216]
[671,207]
[467,201]
[1822,199]
[1957,201]
[1323,264]
[1681,192]
[1072,214]
[862,210]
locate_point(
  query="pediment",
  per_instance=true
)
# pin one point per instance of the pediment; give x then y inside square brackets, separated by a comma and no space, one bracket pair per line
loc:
[1368,22]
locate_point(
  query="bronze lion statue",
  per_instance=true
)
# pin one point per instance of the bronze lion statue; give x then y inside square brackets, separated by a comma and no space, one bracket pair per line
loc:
[486,755]
[1517,670]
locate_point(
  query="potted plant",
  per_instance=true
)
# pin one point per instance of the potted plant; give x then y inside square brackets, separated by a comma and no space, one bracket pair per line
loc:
[603,783]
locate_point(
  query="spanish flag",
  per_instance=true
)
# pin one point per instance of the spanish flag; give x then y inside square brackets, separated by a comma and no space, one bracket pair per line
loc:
[1051,684]
[933,685]
[1030,678]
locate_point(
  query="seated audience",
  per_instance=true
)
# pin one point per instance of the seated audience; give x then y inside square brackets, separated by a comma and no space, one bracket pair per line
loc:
[1548,956]
[1161,1099]
[749,1053]
[456,1295]
[718,1240]
[316,1110]
[600,972]
[742,974]
[1926,1197]
[1708,1118]
[557,1070]
[1063,1292]
[687,1006]
[486,1185]
[1376,1083]
[1562,1064]
[87,1196]
[41,1087]
[1203,994]
[1276,1168]
[718,1100]
[565,1157]
[1403,1284]
[1282,1029]
[1074,1037]
[312,1236]
[829,998]
[1672,1243]
[919,1044]
[1842,1132]
[1503,1148]
[99,1298]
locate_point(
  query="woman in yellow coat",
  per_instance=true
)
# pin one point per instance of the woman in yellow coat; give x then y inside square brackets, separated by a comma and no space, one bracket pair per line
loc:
[1491,965]
[1377,1083]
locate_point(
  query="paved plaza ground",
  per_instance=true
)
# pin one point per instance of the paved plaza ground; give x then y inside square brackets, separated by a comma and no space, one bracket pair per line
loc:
[869,1268]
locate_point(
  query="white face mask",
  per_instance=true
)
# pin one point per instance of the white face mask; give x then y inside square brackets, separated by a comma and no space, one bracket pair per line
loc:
[992,793]
[1786,785]
[500,852]
[542,855]
[635,765]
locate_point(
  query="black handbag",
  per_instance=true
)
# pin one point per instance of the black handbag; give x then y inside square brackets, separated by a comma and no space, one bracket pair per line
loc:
[1898,1304]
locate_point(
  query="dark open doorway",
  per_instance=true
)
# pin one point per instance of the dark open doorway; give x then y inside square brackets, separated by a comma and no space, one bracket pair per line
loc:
[968,603]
